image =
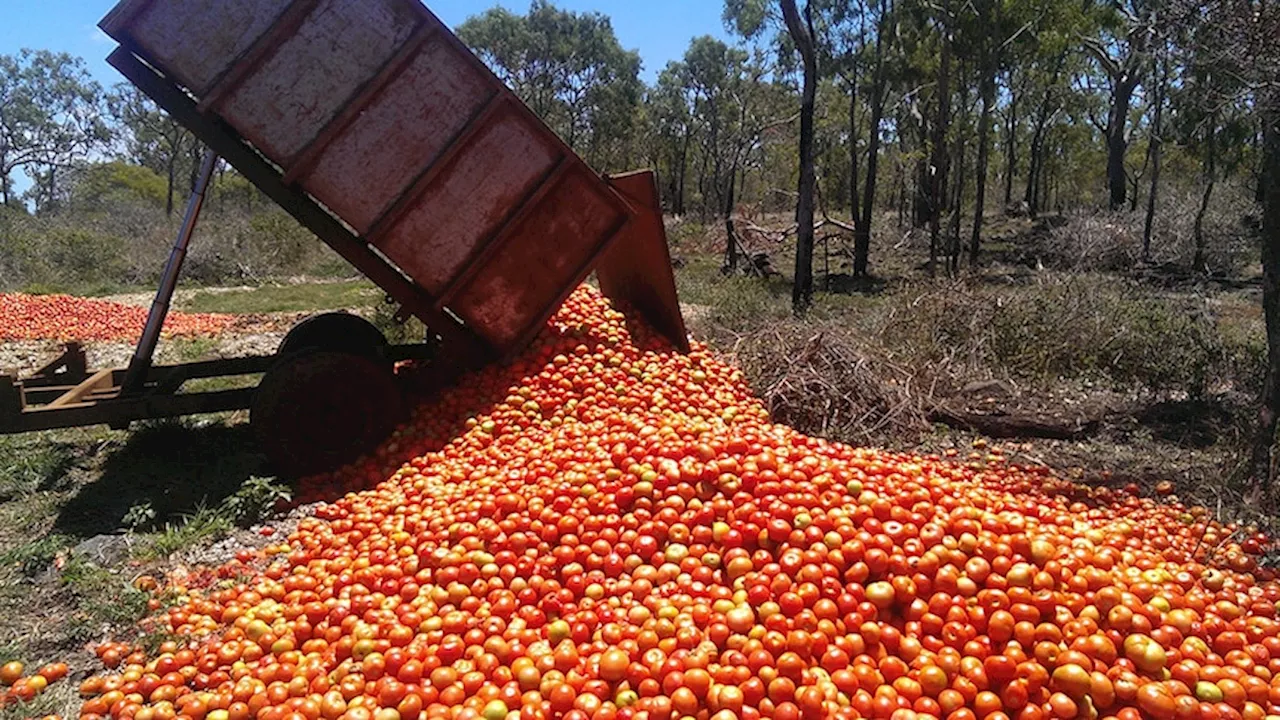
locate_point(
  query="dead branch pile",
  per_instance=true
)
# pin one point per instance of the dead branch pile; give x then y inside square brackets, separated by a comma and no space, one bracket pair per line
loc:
[823,383]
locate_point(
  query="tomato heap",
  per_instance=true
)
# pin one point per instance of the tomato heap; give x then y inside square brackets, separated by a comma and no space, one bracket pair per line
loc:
[609,530]
[64,317]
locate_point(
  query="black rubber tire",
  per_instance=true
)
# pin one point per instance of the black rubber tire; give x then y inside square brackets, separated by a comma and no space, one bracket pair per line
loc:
[317,411]
[336,332]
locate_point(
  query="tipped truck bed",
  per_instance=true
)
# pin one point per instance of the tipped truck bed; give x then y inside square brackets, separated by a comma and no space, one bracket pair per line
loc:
[371,123]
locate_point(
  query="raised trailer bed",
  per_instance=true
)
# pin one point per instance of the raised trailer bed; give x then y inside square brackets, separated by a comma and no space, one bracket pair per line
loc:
[371,124]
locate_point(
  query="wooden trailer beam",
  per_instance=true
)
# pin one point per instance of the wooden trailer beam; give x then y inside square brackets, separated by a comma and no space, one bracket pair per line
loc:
[112,411]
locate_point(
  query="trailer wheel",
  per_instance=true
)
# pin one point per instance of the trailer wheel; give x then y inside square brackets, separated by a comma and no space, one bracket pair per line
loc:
[318,410]
[336,332]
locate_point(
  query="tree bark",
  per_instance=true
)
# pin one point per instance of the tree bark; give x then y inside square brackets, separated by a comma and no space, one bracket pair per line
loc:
[862,228]
[937,179]
[984,148]
[1011,143]
[682,173]
[168,199]
[953,250]
[801,33]
[1036,158]
[854,213]
[1261,465]
[1210,174]
[1154,145]
[730,232]
[1117,142]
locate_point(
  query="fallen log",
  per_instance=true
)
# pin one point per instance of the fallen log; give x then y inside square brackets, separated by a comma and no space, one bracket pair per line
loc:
[1005,425]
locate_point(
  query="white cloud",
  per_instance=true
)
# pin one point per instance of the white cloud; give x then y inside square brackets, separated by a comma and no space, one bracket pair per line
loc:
[97,37]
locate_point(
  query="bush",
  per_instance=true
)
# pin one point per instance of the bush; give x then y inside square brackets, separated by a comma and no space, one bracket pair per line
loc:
[1083,327]
[129,245]
[1112,242]
[821,379]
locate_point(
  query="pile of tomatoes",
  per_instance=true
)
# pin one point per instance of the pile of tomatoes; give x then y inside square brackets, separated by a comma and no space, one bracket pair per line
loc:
[606,529]
[22,687]
[65,318]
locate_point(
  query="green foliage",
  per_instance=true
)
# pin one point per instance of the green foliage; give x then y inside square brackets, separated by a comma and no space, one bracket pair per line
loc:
[256,499]
[53,117]
[36,555]
[397,333]
[139,515]
[102,187]
[101,597]
[29,463]
[203,525]
[295,297]
[569,68]
[59,253]
[155,141]
[1084,327]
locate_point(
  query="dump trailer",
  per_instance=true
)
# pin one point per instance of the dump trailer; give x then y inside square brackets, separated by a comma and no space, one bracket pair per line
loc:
[377,129]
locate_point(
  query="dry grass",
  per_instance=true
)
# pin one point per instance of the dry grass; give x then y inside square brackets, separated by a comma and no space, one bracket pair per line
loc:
[823,381]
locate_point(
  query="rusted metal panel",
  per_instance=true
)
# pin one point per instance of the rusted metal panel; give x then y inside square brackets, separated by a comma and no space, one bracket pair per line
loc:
[542,257]
[266,44]
[290,96]
[467,199]
[636,270]
[303,162]
[402,130]
[311,215]
[212,33]
[374,109]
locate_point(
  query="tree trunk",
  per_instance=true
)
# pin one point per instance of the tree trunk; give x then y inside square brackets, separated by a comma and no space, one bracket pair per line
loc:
[730,232]
[984,148]
[953,249]
[1261,465]
[901,195]
[854,214]
[1117,143]
[1210,175]
[1036,158]
[171,166]
[801,33]
[1011,144]
[4,177]
[705,204]
[681,174]
[862,236]
[920,191]
[1154,146]
[939,162]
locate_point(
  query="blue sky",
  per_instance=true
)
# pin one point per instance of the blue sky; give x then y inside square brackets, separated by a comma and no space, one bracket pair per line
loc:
[659,29]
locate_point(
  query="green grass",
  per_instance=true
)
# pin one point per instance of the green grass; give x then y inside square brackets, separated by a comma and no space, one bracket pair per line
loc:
[192,349]
[202,525]
[61,699]
[255,499]
[31,462]
[36,555]
[89,289]
[287,298]
[101,597]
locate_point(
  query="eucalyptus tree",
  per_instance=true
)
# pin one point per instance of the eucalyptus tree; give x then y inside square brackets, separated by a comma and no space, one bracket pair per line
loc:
[52,116]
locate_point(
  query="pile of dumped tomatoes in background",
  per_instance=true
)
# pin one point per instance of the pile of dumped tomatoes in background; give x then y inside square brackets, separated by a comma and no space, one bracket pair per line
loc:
[606,529]
[64,317]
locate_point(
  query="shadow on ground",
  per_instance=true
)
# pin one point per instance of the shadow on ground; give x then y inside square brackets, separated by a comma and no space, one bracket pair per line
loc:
[846,284]
[1194,423]
[162,472]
